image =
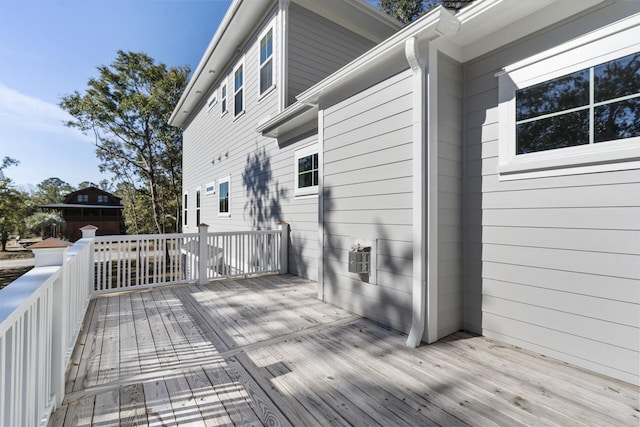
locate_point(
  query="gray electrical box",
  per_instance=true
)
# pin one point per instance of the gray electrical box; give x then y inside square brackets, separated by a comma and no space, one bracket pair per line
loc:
[359,261]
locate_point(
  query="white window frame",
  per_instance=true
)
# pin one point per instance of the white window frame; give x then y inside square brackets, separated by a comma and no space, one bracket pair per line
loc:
[610,43]
[185,209]
[210,188]
[198,193]
[300,153]
[221,181]
[224,98]
[242,88]
[272,58]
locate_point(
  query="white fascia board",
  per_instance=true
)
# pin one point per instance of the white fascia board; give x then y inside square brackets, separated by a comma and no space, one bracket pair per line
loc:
[490,24]
[439,22]
[296,115]
[238,23]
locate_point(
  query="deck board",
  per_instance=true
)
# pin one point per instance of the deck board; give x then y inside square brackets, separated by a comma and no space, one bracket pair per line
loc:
[265,351]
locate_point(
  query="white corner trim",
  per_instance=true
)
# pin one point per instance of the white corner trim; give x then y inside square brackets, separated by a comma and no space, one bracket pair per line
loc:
[321,205]
[418,306]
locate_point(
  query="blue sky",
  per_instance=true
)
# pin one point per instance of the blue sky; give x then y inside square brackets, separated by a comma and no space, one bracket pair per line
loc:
[49,48]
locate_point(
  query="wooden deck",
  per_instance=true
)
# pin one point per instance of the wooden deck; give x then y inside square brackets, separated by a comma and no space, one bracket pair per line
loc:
[265,351]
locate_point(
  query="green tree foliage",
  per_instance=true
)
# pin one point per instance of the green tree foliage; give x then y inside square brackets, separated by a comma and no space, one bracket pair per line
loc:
[45,224]
[51,190]
[407,11]
[13,205]
[127,108]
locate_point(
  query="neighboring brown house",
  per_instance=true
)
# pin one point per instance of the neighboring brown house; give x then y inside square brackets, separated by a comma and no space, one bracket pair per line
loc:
[89,206]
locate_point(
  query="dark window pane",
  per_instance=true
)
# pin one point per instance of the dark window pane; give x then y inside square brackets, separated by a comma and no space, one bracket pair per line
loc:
[238,79]
[266,76]
[617,78]
[617,120]
[198,217]
[556,95]
[224,197]
[315,161]
[315,177]
[239,108]
[224,105]
[566,130]
[305,164]
[305,179]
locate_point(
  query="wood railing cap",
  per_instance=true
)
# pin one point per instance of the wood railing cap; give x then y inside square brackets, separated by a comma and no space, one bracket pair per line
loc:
[50,243]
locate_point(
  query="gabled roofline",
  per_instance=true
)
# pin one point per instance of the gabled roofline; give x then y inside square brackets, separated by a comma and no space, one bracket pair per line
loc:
[438,22]
[228,38]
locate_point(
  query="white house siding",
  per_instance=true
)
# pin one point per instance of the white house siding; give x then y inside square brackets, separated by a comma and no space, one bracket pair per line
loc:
[251,159]
[551,264]
[450,293]
[367,196]
[316,48]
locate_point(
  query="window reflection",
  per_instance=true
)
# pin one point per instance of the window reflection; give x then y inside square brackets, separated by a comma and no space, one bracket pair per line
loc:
[558,94]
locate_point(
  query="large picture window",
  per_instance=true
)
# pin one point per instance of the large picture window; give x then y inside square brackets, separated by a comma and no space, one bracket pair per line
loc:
[266,61]
[224,196]
[597,104]
[573,109]
[307,170]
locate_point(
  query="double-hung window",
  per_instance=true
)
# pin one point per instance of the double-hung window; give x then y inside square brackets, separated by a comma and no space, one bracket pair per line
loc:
[224,196]
[198,206]
[306,170]
[238,90]
[223,98]
[266,61]
[574,109]
[184,210]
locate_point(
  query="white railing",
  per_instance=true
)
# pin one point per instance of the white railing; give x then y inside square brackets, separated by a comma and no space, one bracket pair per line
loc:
[40,318]
[123,262]
[42,312]
[126,262]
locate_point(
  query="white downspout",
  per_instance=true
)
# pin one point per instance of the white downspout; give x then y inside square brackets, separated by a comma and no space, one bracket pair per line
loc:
[418,66]
[284,35]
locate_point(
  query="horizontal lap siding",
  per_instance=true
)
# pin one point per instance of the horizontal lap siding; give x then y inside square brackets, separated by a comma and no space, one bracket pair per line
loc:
[316,48]
[368,196]
[450,293]
[551,264]
[251,159]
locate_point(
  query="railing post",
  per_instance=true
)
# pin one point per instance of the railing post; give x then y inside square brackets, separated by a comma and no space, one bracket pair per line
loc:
[284,248]
[52,252]
[203,254]
[89,232]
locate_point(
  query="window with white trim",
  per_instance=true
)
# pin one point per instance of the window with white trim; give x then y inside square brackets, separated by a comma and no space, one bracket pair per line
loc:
[600,103]
[210,188]
[238,90]
[306,170]
[573,109]
[266,61]
[223,98]
[224,196]
[184,210]
[198,206]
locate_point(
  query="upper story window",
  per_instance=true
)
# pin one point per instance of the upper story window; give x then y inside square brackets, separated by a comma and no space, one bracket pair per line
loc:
[266,61]
[223,98]
[224,196]
[83,198]
[238,90]
[573,109]
[306,170]
[184,209]
[103,199]
[597,104]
